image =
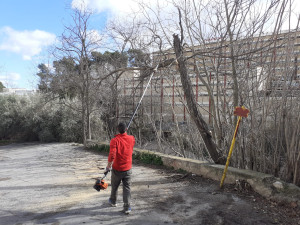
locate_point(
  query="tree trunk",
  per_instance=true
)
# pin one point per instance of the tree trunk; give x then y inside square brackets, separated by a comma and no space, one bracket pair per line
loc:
[192,105]
[84,131]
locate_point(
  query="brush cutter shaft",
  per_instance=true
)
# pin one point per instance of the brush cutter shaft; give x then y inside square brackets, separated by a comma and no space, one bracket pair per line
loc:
[138,105]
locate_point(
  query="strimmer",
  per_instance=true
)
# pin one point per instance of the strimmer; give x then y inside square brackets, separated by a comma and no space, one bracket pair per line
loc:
[138,105]
[100,183]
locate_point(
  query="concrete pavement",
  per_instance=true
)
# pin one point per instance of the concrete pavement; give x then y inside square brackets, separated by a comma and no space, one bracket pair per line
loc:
[52,184]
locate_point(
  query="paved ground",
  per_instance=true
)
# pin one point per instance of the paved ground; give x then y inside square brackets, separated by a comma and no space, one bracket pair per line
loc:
[52,184]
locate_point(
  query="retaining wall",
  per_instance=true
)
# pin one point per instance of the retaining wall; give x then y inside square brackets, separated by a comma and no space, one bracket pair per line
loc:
[264,184]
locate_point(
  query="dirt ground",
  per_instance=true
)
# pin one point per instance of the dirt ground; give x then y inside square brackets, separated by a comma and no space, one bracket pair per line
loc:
[196,200]
[52,184]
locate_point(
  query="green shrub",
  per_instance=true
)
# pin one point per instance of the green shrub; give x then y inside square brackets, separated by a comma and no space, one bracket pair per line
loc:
[31,118]
[181,171]
[46,136]
[100,148]
[5,142]
[70,126]
[148,158]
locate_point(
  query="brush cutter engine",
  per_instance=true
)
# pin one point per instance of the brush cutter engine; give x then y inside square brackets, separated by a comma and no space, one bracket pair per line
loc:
[100,185]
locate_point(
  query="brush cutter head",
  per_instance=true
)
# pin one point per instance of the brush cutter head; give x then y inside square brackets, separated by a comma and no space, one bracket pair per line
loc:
[100,185]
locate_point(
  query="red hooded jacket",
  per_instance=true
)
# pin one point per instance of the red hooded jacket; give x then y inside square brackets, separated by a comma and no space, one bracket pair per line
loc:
[120,153]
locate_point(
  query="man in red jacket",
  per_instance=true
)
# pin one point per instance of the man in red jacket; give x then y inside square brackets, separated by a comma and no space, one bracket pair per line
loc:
[120,159]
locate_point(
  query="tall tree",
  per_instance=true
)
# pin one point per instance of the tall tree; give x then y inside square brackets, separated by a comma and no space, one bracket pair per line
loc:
[82,72]
[219,43]
[192,104]
[73,73]
[109,66]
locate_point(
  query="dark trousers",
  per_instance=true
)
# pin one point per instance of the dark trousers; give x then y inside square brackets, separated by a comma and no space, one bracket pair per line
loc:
[116,178]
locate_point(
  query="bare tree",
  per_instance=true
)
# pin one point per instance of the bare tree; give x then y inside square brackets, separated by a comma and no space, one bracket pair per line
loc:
[195,114]
[234,49]
[77,43]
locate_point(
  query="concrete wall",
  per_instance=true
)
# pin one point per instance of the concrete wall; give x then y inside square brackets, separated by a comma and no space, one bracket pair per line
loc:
[264,184]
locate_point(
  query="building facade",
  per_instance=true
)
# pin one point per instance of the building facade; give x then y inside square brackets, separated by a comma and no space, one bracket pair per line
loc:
[264,65]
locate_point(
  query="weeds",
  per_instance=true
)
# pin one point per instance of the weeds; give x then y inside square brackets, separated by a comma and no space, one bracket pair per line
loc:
[100,148]
[148,158]
[5,142]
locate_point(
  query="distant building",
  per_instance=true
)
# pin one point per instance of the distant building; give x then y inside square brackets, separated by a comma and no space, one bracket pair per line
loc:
[17,91]
[268,64]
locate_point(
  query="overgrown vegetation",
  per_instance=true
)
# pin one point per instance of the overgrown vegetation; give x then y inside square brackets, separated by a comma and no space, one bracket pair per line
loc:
[100,148]
[148,158]
[30,118]
[6,142]
[220,48]
[1,87]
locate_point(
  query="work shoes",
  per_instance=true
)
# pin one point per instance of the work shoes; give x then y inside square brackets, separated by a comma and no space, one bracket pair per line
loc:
[127,211]
[111,203]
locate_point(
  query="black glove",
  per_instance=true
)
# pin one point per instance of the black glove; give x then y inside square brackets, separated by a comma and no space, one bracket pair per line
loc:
[106,171]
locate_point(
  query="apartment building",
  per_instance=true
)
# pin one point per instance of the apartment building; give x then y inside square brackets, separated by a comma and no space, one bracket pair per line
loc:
[263,65]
